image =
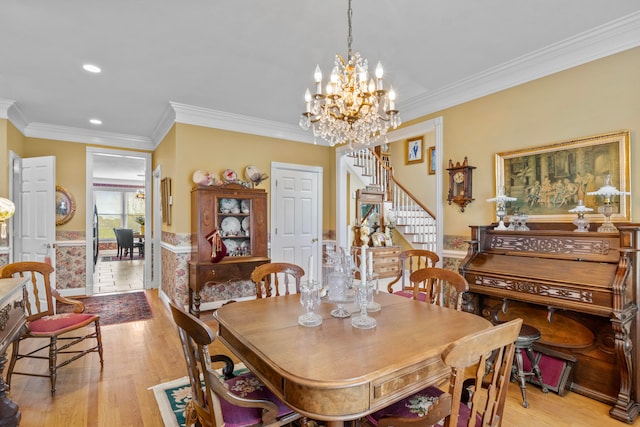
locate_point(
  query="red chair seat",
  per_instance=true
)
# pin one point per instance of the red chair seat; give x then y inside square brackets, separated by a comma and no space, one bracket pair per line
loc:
[60,323]
[248,386]
[421,296]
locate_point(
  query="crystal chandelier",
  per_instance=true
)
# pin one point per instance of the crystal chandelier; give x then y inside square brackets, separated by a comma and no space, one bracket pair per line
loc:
[354,109]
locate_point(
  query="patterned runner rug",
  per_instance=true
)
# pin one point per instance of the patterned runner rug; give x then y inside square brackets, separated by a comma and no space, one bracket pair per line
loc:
[114,309]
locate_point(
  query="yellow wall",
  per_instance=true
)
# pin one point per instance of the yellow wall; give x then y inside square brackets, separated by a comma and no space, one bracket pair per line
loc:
[165,156]
[215,150]
[592,99]
[415,177]
[70,172]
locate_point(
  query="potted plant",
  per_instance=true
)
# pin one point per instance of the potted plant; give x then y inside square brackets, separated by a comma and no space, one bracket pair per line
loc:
[140,220]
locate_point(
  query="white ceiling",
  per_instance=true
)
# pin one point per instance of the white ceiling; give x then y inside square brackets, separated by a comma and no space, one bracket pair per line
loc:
[245,64]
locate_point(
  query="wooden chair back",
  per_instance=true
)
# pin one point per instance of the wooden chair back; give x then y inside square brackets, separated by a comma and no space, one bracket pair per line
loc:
[410,261]
[38,293]
[268,277]
[440,286]
[493,349]
[207,386]
[486,359]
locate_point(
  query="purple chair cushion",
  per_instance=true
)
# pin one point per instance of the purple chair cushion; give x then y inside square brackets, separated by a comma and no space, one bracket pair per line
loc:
[248,386]
[417,405]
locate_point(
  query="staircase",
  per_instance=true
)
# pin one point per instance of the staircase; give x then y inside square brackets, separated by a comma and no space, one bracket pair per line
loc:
[414,221]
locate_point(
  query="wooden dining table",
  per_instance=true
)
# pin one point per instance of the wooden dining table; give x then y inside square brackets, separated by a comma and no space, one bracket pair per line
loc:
[335,372]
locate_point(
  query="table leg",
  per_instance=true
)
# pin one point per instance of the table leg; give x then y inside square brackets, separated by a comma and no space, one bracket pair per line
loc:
[194,302]
[9,414]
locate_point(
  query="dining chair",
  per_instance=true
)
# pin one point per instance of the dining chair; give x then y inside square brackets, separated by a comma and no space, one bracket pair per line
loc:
[43,323]
[271,275]
[223,398]
[119,247]
[410,261]
[438,286]
[126,243]
[493,348]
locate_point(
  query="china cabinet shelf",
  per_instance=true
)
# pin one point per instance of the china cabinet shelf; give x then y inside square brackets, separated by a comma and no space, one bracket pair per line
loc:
[244,233]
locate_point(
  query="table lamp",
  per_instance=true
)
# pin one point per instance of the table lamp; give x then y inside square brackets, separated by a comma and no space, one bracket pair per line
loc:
[581,222]
[7,209]
[501,206]
[607,191]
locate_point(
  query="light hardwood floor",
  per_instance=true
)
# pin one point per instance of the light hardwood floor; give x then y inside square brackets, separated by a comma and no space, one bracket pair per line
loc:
[141,354]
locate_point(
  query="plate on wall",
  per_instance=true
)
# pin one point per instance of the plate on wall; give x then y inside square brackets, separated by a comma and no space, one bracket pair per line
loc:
[230,226]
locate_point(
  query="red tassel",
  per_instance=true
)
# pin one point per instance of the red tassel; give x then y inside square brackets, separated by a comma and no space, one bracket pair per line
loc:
[218,249]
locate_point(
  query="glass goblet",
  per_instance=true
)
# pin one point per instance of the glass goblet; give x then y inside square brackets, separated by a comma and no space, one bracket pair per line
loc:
[309,299]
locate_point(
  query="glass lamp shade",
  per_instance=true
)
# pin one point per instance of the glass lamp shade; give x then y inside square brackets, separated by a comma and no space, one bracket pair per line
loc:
[501,207]
[7,209]
[581,222]
[607,191]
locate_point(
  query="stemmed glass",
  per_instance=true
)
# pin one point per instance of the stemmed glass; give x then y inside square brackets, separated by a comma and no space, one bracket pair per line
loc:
[363,320]
[309,298]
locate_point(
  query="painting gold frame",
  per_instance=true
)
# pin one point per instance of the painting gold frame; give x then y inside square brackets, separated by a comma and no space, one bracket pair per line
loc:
[414,150]
[431,155]
[65,205]
[549,180]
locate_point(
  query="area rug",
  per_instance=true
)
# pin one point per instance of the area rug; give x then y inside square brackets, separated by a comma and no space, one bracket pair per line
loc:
[113,309]
[173,396]
[109,258]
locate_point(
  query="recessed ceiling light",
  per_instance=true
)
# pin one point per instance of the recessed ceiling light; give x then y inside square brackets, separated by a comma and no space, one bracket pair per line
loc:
[91,68]
[95,121]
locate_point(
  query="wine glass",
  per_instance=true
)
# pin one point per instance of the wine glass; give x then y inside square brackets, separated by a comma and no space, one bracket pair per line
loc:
[309,298]
[363,320]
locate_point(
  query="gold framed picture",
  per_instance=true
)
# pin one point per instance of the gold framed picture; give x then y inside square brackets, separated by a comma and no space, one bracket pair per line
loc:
[431,155]
[414,150]
[549,180]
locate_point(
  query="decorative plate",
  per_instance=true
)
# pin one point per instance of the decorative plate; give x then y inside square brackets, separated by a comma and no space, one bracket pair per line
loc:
[230,226]
[229,175]
[245,244]
[244,206]
[246,224]
[232,245]
[227,205]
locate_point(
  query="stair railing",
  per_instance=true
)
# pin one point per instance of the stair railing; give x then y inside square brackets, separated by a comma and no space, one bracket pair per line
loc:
[414,220]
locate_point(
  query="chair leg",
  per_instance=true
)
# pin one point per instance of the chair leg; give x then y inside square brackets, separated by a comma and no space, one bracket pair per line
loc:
[53,361]
[99,339]
[14,357]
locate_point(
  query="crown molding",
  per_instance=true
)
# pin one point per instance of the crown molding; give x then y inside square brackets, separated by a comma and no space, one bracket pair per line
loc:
[64,133]
[199,116]
[614,37]
[599,42]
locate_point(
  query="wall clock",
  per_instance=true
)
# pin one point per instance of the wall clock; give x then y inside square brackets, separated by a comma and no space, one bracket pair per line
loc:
[460,183]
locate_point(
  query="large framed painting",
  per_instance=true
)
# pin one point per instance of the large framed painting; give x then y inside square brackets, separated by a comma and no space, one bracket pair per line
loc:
[549,180]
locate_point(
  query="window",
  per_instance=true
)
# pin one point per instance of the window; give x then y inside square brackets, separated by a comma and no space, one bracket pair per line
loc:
[117,208]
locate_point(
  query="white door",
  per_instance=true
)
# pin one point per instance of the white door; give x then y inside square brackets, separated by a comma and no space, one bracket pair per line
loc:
[35,229]
[296,216]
